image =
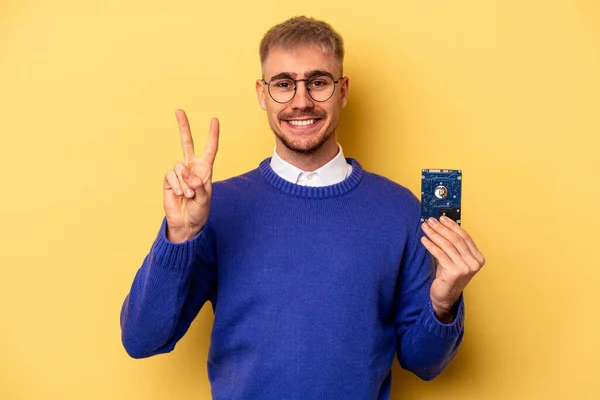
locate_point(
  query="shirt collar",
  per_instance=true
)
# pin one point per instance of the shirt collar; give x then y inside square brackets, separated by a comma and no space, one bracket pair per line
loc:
[331,173]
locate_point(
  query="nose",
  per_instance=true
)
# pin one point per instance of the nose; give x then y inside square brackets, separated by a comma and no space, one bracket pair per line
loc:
[301,99]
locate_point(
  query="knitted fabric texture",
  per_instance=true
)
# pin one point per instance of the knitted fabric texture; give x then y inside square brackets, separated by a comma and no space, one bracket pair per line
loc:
[315,290]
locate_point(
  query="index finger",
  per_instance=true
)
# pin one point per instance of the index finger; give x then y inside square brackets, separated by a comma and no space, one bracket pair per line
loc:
[187,143]
[450,224]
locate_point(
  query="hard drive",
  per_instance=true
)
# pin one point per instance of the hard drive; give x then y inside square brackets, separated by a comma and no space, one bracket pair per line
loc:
[441,194]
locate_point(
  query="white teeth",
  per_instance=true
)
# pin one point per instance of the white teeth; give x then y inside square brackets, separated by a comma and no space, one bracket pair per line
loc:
[303,122]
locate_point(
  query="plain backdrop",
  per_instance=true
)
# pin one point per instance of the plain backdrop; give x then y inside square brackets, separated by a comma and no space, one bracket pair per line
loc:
[506,90]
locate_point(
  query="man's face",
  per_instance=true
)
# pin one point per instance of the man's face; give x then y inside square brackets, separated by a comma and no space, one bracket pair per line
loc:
[302,125]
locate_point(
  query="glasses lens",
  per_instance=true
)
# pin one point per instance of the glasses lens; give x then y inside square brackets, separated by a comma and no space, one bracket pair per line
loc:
[321,88]
[282,90]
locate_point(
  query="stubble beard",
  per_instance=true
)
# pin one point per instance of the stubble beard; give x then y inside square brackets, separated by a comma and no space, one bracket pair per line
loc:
[301,147]
[305,147]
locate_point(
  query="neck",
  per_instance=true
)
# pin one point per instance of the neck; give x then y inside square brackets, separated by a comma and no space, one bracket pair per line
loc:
[309,161]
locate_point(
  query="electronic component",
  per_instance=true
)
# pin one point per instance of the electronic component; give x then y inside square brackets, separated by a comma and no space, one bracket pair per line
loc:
[441,194]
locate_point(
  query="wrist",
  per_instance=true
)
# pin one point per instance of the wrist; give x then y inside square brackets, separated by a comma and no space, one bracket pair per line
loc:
[180,235]
[444,313]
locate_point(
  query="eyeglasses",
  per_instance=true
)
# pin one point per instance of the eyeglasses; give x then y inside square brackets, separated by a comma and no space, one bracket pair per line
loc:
[320,88]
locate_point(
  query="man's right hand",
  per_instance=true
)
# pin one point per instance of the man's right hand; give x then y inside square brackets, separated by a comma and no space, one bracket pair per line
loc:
[187,188]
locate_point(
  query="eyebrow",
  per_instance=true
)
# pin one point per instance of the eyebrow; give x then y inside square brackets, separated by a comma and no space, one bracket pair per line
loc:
[308,75]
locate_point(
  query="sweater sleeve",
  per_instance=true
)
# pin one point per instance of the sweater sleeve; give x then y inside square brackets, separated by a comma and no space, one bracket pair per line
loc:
[425,345]
[168,291]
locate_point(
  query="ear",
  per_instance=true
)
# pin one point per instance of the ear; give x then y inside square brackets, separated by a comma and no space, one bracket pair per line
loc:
[260,93]
[344,87]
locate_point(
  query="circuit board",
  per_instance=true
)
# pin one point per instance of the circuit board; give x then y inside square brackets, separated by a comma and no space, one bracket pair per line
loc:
[441,194]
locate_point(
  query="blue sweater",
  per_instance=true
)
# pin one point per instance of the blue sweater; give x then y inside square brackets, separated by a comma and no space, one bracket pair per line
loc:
[314,290]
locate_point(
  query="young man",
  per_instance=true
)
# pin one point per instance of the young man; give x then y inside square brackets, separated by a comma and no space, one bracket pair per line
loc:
[319,272]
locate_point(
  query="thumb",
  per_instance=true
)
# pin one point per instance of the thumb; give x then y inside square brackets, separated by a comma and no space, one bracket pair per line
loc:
[194,181]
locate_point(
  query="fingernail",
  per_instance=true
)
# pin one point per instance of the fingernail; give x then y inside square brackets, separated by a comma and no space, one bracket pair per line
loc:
[185,174]
[432,221]
[189,192]
[178,191]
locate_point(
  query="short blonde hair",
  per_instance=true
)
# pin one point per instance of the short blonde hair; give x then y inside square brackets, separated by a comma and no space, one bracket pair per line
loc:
[300,31]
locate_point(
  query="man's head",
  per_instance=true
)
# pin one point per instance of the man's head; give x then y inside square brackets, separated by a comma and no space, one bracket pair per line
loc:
[303,114]
[303,31]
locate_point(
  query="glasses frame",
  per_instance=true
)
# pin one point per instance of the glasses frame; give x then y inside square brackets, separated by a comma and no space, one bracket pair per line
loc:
[307,89]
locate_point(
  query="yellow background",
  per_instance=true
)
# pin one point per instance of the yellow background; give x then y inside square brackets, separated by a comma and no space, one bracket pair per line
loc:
[508,91]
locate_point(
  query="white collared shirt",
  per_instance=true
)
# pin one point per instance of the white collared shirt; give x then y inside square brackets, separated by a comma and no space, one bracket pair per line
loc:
[331,173]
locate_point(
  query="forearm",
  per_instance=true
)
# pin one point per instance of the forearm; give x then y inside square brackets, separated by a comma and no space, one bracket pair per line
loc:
[429,345]
[158,309]
[152,309]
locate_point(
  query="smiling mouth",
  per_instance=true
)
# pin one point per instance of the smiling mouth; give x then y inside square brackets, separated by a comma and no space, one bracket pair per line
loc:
[302,122]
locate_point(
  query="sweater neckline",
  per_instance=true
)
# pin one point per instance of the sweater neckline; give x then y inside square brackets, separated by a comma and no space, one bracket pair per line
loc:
[322,192]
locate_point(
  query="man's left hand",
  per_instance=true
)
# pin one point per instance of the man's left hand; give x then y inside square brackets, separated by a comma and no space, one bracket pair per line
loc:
[457,261]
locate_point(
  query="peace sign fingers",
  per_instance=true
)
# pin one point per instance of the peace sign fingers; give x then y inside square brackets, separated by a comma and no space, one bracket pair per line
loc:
[187,143]
[187,189]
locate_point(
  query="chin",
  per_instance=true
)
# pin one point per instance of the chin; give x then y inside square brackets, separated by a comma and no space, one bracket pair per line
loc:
[304,145]
[304,149]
